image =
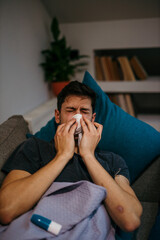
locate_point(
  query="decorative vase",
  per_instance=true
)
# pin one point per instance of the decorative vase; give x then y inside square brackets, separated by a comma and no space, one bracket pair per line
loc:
[58,86]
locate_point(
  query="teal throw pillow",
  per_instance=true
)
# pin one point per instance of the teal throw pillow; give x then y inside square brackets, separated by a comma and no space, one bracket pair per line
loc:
[137,142]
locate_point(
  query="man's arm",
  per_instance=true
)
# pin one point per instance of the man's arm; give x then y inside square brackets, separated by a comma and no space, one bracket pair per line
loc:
[121,202]
[20,190]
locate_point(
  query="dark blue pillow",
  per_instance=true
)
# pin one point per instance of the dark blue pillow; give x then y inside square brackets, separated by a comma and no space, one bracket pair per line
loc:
[137,142]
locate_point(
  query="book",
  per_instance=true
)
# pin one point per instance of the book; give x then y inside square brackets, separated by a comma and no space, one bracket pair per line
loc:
[110,64]
[113,98]
[125,102]
[122,102]
[129,104]
[111,68]
[117,71]
[128,74]
[106,69]
[98,69]
[138,68]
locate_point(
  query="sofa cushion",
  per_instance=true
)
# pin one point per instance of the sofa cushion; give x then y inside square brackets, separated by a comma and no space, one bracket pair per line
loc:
[12,132]
[147,185]
[155,232]
[148,218]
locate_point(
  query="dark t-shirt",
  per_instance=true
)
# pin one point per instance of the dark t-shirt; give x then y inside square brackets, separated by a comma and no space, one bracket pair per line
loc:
[34,153]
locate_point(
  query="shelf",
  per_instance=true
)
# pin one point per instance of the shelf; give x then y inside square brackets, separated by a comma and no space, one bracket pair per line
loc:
[151,119]
[151,85]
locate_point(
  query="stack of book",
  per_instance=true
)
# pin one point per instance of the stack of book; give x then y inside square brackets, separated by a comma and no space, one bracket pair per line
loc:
[121,68]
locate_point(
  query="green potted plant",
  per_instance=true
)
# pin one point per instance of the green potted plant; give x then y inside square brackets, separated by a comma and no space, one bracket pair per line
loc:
[61,62]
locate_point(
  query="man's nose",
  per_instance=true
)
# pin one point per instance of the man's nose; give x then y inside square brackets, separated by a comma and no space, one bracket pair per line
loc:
[78,111]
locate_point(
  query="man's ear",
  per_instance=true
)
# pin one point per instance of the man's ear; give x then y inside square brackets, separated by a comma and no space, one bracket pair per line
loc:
[93,117]
[57,116]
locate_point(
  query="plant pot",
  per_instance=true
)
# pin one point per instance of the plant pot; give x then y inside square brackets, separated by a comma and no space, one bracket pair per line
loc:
[58,86]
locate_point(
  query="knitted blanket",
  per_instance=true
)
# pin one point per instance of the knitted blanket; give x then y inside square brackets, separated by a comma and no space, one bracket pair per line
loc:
[76,206]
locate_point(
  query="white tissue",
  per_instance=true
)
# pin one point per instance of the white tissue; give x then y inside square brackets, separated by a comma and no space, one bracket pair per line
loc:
[79,127]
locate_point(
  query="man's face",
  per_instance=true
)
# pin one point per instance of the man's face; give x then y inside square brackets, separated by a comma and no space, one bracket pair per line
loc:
[73,105]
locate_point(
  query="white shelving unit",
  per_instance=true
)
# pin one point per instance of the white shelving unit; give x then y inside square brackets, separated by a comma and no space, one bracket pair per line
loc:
[151,85]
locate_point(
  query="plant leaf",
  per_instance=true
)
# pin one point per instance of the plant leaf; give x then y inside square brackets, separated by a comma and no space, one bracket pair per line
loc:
[55,29]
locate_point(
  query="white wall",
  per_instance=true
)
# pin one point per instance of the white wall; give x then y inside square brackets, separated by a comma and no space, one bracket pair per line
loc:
[112,34]
[24,32]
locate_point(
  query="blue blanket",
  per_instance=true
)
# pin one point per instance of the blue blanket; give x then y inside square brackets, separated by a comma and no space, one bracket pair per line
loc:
[76,206]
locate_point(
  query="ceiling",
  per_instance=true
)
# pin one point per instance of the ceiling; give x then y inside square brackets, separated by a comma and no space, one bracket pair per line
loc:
[74,11]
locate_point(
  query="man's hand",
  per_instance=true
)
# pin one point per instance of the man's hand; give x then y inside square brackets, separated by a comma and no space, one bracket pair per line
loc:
[64,139]
[91,137]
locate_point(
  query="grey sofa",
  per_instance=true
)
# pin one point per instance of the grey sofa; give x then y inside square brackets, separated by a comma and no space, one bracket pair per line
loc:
[147,186]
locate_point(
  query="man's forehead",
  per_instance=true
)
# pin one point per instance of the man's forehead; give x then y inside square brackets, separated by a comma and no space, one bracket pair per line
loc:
[74,99]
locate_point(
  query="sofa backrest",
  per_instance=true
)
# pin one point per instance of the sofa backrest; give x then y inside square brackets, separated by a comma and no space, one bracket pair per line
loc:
[12,133]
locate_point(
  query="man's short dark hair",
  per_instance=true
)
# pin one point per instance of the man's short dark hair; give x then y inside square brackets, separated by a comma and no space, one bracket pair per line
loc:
[78,89]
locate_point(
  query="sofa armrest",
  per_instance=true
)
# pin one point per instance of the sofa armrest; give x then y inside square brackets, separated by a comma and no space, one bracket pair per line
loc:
[13,132]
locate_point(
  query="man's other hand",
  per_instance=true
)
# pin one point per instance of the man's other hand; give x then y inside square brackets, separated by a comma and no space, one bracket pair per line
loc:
[92,132]
[64,139]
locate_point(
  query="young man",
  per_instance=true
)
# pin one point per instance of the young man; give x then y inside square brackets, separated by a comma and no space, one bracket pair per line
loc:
[36,164]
